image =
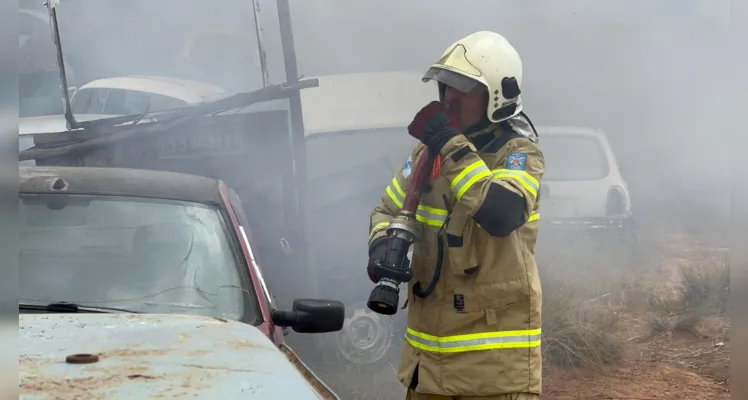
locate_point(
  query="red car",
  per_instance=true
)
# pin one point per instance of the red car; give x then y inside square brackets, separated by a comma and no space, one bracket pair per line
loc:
[152,259]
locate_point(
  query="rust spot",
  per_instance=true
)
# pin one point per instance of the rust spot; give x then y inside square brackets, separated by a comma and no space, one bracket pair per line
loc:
[136,353]
[136,376]
[242,344]
[209,368]
[222,319]
[82,359]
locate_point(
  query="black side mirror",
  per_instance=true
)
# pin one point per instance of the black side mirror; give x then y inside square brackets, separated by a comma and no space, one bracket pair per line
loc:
[312,316]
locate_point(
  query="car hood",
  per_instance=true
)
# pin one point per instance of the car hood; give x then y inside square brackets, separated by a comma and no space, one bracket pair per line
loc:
[152,356]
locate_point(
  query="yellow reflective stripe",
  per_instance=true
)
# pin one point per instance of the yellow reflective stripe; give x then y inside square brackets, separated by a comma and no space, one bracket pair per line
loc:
[394,198]
[396,185]
[521,339]
[396,193]
[526,180]
[471,174]
[431,216]
[378,227]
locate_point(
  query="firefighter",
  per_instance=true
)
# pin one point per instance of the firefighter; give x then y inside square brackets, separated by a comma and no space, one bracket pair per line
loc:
[475,333]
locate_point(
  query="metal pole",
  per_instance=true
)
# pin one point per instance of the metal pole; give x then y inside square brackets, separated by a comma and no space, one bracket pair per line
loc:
[297,121]
[69,117]
[260,47]
[303,259]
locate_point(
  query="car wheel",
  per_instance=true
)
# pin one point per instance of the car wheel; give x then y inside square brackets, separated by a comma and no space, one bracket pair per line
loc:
[366,336]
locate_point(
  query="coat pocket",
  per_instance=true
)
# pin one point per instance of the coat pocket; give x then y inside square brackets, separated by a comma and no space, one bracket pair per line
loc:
[489,296]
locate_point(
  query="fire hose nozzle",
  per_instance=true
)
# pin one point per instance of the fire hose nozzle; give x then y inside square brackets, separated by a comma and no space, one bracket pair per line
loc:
[394,269]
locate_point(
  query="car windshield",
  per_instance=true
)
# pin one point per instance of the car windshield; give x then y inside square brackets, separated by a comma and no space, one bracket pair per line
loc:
[573,158]
[144,255]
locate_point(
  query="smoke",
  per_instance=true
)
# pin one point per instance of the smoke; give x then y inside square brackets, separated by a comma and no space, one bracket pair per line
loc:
[647,73]
[651,74]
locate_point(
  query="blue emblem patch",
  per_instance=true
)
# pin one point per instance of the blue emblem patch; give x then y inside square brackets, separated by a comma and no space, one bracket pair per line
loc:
[408,165]
[517,161]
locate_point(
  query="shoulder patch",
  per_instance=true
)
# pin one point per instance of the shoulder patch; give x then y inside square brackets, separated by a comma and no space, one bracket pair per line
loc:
[517,161]
[407,167]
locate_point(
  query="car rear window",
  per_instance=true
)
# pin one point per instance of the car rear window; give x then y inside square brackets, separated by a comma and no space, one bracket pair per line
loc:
[122,102]
[573,158]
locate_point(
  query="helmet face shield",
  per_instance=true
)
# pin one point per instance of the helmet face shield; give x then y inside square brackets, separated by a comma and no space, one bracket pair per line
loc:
[454,69]
[451,79]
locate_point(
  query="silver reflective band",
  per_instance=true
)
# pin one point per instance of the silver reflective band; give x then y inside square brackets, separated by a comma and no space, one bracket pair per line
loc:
[397,195]
[469,178]
[431,216]
[479,342]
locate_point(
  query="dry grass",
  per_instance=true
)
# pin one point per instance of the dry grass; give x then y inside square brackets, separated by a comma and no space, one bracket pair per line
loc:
[578,333]
[703,291]
[706,289]
[586,286]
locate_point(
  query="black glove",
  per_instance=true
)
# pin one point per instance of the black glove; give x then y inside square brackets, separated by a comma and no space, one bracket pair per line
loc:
[377,250]
[434,126]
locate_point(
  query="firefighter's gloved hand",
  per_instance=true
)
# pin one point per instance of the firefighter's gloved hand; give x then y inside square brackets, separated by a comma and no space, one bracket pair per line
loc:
[377,250]
[434,126]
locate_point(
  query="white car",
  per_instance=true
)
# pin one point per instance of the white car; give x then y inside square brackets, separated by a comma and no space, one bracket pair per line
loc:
[582,184]
[130,95]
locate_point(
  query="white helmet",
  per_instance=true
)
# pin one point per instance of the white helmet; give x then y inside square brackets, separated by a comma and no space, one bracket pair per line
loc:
[483,58]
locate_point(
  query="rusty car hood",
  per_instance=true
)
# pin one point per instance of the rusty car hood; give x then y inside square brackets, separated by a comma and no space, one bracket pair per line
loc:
[151,356]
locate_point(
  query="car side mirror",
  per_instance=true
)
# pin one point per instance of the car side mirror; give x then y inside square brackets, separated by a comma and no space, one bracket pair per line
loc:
[312,316]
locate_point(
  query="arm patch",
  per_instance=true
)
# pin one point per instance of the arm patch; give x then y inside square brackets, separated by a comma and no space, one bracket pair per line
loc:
[517,161]
[407,167]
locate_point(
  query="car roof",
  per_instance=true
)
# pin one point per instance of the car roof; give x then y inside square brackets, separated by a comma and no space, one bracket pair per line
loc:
[120,182]
[183,89]
[344,102]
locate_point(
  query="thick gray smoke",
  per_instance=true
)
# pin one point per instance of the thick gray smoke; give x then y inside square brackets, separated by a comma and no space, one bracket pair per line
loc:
[652,74]
[645,72]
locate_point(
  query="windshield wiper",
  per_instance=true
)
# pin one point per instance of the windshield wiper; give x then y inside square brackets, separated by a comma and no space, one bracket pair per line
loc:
[65,307]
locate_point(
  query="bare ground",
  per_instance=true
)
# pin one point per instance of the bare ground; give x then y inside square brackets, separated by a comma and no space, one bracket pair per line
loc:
[682,355]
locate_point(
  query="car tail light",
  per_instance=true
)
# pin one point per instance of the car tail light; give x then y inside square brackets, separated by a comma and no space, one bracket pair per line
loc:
[615,204]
